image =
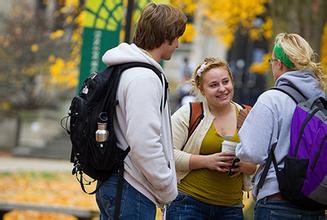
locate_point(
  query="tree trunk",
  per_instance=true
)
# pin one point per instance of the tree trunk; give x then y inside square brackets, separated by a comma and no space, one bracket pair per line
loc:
[305,17]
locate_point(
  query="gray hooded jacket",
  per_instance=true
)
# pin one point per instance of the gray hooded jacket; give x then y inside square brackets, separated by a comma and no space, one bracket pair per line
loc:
[149,166]
[269,122]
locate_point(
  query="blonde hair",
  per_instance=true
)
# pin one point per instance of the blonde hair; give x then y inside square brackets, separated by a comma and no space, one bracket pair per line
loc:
[158,23]
[208,64]
[302,55]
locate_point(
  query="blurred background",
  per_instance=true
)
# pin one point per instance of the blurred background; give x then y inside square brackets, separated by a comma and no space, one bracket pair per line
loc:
[48,47]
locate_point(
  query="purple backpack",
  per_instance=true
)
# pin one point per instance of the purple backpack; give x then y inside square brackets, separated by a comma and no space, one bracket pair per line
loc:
[303,180]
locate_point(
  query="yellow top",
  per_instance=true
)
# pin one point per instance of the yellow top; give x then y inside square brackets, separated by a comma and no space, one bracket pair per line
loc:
[210,186]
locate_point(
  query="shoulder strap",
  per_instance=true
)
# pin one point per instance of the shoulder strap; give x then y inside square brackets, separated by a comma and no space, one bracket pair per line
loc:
[119,69]
[161,76]
[247,107]
[293,92]
[271,157]
[196,115]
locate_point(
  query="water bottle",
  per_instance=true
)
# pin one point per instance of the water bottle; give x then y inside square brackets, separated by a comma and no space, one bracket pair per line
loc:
[102,133]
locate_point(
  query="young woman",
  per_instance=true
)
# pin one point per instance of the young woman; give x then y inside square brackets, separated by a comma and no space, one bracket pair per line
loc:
[205,189]
[270,119]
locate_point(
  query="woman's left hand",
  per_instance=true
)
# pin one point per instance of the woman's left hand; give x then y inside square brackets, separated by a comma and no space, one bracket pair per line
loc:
[243,167]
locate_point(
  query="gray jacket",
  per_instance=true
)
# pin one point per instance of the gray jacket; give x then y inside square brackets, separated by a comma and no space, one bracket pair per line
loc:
[269,122]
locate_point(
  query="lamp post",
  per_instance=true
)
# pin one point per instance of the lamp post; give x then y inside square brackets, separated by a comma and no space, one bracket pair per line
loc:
[129,15]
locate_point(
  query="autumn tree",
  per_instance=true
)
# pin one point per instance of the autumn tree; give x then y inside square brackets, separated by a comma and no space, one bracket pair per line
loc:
[31,52]
[306,17]
[39,58]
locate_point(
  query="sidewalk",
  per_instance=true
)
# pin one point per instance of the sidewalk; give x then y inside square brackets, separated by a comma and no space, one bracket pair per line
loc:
[10,163]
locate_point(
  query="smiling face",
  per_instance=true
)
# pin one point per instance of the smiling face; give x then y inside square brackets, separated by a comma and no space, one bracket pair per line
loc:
[217,87]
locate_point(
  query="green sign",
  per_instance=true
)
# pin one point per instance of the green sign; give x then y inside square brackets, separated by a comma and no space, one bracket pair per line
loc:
[102,25]
[102,28]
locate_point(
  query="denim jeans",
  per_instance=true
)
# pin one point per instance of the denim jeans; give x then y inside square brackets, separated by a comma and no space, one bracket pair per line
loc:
[134,205]
[187,207]
[282,209]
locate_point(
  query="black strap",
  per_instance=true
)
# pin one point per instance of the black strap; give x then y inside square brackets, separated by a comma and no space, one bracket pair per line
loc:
[113,81]
[266,169]
[119,192]
[84,182]
[321,146]
[163,79]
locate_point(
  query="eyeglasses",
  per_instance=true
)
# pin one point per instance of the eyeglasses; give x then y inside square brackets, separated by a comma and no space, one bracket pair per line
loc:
[272,60]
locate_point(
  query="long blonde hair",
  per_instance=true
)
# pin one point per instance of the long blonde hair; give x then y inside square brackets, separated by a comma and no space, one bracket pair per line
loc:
[302,55]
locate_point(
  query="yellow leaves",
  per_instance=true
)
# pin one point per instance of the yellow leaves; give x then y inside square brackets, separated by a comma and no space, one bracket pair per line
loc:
[225,16]
[267,28]
[5,106]
[79,19]
[51,58]
[69,19]
[188,6]
[59,189]
[72,3]
[261,68]
[188,34]
[64,73]
[34,48]
[254,34]
[57,34]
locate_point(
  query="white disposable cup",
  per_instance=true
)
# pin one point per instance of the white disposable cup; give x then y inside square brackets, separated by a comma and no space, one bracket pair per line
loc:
[228,146]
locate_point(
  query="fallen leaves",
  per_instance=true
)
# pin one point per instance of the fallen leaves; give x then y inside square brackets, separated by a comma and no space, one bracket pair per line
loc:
[43,188]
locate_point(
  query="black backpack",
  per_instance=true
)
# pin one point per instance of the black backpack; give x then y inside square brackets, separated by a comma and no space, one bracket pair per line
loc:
[96,102]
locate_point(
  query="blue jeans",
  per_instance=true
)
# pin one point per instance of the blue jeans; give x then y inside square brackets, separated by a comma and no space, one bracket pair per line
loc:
[282,209]
[187,207]
[134,205]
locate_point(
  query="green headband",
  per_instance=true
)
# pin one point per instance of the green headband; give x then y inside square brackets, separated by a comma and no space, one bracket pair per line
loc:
[279,53]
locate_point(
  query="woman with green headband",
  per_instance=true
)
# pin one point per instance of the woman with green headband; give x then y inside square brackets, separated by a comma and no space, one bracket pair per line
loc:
[269,121]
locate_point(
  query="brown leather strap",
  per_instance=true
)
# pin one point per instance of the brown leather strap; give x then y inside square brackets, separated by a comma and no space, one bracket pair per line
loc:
[196,114]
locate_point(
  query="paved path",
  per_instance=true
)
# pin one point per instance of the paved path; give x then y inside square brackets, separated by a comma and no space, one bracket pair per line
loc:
[11,164]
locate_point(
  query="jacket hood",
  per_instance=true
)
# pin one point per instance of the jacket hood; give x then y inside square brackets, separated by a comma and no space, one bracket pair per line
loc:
[305,81]
[125,53]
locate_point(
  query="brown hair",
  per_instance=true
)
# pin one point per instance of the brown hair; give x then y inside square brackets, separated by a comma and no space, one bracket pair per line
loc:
[302,56]
[158,23]
[208,64]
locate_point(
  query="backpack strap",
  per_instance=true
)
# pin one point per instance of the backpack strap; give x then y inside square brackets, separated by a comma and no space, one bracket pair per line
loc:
[247,107]
[293,92]
[161,76]
[196,115]
[119,191]
[271,157]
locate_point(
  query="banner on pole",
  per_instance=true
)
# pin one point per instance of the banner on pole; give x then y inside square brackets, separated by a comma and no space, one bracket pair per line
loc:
[101,29]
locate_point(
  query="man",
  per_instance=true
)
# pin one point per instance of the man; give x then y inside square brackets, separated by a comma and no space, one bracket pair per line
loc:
[143,119]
